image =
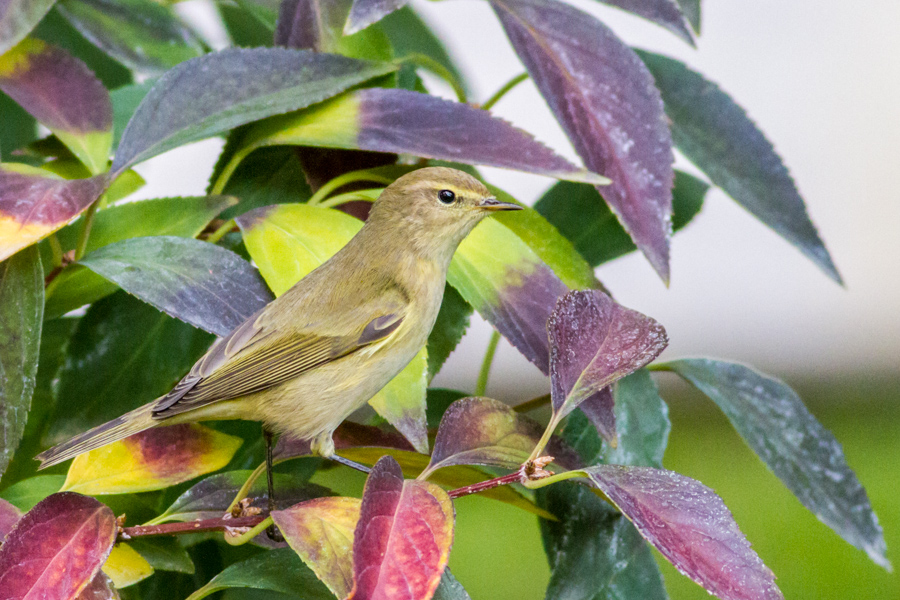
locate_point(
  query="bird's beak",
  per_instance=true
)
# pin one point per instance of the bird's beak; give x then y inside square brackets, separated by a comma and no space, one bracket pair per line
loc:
[492,204]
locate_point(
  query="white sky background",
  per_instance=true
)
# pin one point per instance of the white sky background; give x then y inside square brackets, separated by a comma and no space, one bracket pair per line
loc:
[822,79]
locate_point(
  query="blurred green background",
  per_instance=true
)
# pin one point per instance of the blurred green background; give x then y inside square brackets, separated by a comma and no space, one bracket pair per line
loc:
[497,552]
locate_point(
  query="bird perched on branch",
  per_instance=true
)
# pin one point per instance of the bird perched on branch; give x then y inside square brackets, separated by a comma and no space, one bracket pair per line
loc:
[320,351]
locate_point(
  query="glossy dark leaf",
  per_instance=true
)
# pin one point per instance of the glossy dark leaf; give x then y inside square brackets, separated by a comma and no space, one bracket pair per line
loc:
[214,93]
[164,554]
[600,409]
[279,570]
[320,531]
[642,422]
[450,589]
[18,17]
[400,121]
[365,12]
[125,101]
[403,537]
[594,342]
[62,93]
[605,100]
[244,32]
[691,11]
[19,128]
[439,400]
[199,283]
[717,136]
[800,451]
[77,285]
[449,328]
[57,548]
[144,35]
[482,431]
[595,553]
[209,498]
[266,177]
[21,316]
[123,354]
[665,13]
[578,212]
[34,204]
[690,526]
[9,515]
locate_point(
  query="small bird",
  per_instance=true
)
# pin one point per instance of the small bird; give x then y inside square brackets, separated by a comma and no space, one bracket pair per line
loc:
[308,359]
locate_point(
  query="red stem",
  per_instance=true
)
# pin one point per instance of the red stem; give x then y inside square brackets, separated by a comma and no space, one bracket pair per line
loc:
[485,485]
[190,526]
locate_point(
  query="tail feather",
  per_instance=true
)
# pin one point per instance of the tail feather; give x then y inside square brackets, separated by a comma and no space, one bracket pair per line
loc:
[119,428]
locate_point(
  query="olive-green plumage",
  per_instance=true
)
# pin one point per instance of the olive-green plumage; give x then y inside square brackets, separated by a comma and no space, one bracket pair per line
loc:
[320,351]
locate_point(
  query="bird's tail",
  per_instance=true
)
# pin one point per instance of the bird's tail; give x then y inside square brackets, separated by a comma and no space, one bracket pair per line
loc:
[119,428]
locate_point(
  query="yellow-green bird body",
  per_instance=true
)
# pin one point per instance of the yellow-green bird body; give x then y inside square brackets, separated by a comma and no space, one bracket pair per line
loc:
[321,350]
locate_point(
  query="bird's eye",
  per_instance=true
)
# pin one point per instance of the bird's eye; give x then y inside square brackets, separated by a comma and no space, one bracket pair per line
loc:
[446,196]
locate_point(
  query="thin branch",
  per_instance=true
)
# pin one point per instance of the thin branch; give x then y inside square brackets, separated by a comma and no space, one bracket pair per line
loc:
[221,524]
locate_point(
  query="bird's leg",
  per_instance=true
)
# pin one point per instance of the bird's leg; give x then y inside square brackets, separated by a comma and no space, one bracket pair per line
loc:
[323,446]
[272,532]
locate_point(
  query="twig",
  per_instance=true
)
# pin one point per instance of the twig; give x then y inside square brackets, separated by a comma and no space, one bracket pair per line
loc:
[221,524]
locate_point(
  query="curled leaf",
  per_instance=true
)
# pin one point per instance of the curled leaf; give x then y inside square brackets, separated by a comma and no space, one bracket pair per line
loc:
[594,342]
[665,13]
[402,539]
[691,526]
[604,98]
[151,460]
[57,548]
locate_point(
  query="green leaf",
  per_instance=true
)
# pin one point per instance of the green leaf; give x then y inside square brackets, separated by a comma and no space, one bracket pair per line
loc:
[18,18]
[410,35]
[124,353]
[267,176]
[200,283]
[21,315]
[279,570]
[449,328]
[19,128]
[595,553]
[164,554]
[145,36]
[185,217]
[125,101]
[579,214]
[211,94]
[246,32]
[450,589]
[642,423]
[807,458]
[402,401]
[717,135]
[28,492]
[691,10]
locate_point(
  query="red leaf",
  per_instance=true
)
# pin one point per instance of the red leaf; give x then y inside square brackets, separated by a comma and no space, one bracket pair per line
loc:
[403,537]
[691,526]
[57,548]
[100,588]
[605,100]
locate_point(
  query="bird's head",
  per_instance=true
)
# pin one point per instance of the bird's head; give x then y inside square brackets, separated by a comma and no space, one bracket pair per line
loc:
[435,208]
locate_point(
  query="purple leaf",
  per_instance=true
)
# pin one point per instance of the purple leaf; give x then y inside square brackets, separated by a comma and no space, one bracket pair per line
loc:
[800,451]
[401,121]
[691,526]
[100,588]
[605,100]
[403,536]
[201,284]
[482,431]
[34,204]
[599,408]
[57,548]
[665,13]
[593,342]
[347,435]
[18,18]
[365,12]
[217,92]
[718,137]
[9,515]
[62,93]
[313,24]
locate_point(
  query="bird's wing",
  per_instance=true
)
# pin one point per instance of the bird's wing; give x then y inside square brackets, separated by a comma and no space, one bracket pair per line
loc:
[258,354]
